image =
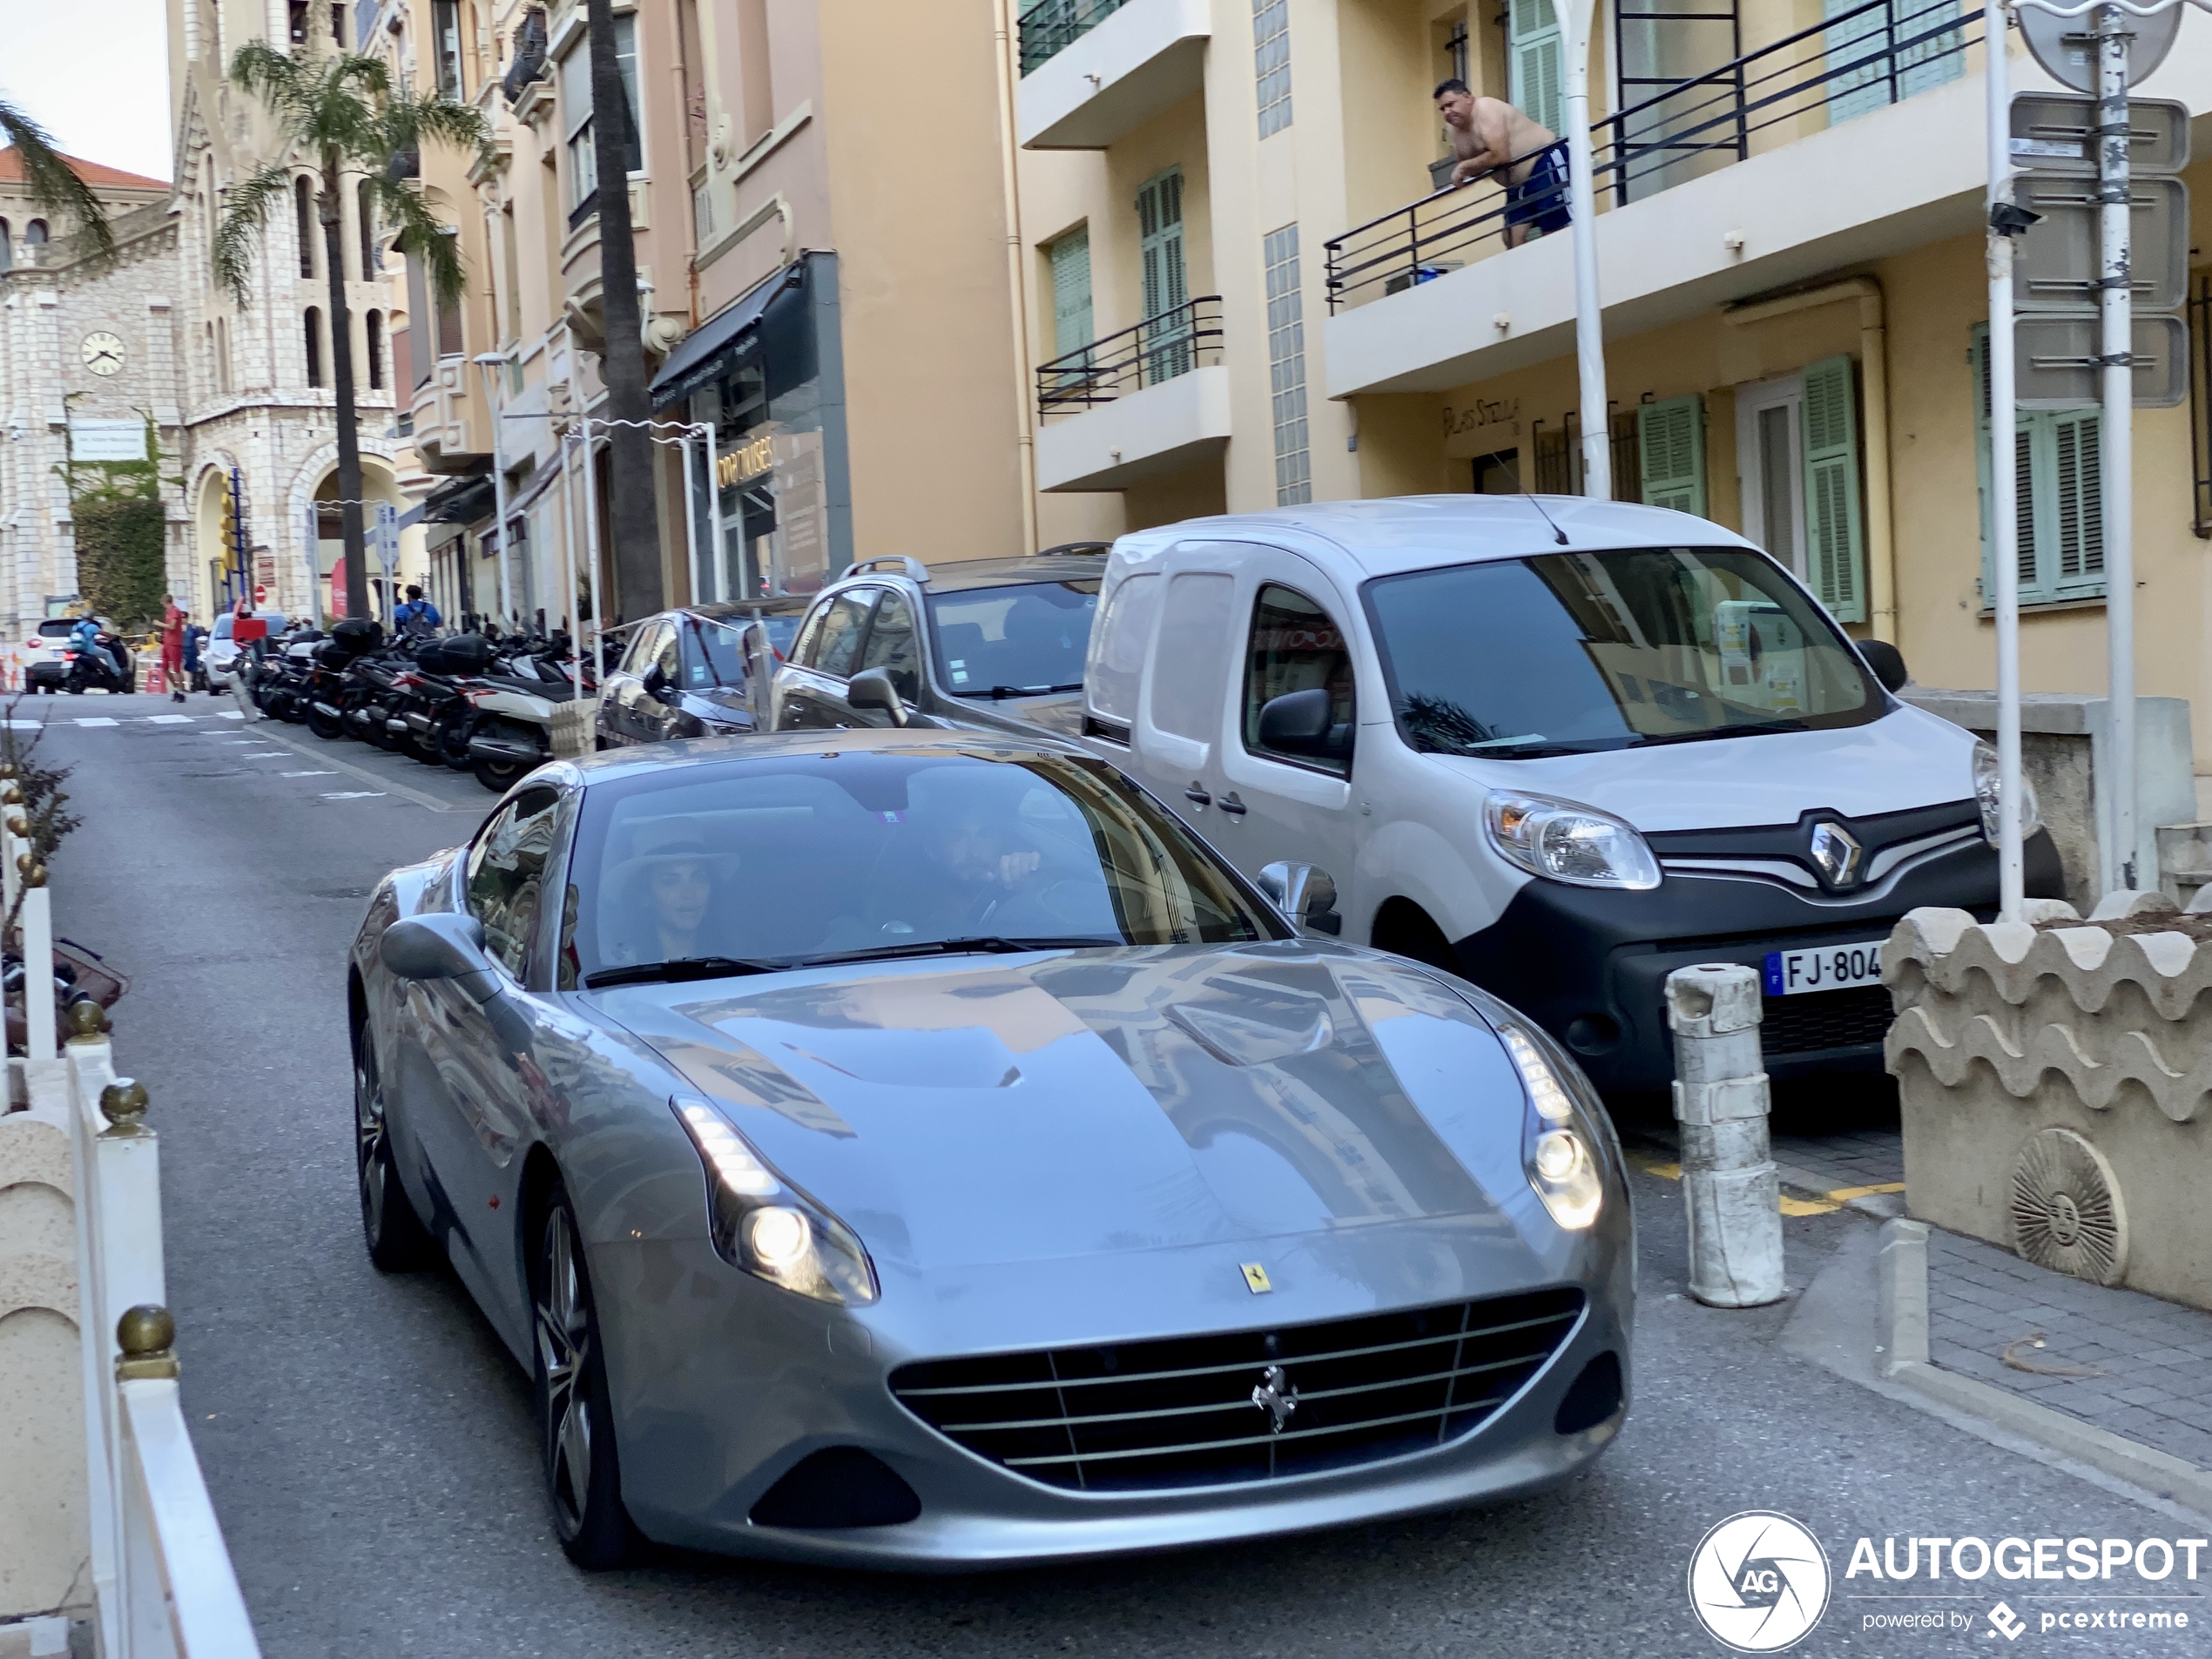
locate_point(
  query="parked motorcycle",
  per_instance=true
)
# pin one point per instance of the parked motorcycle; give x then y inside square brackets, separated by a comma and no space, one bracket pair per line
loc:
[328,684]
[86,670]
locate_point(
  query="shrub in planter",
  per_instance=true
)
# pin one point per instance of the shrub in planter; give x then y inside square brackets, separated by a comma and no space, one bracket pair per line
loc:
[2055,1079]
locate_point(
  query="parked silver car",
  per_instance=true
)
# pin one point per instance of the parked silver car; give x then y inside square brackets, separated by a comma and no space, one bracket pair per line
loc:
[919,1149]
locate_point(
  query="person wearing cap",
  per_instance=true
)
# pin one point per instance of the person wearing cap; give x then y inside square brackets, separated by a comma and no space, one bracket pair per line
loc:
[665,889]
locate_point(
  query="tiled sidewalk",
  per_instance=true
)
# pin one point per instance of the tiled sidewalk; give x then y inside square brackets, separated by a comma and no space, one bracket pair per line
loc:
[1854,1159]
[2152,1359]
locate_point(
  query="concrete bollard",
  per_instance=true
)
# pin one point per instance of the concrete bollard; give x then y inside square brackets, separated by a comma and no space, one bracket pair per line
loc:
[1721,1102]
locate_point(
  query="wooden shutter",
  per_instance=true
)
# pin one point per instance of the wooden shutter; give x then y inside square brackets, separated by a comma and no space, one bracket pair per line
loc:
[1671,445]
[1159,217]
[2058,501]
[1537,59]
[1071,317]
[1836,549]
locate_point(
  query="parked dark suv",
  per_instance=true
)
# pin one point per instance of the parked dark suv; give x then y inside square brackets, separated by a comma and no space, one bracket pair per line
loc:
[985,644]
[683,674]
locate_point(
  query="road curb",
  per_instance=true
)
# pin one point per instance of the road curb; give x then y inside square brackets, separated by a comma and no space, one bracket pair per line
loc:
[1901,1357]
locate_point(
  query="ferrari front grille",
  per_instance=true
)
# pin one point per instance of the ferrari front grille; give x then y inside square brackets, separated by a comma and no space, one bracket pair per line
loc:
[1245,1405]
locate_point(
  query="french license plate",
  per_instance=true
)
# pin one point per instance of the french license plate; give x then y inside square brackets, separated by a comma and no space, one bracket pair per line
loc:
[1828,967]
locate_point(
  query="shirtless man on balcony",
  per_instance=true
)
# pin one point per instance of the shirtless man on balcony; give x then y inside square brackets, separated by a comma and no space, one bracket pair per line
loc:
[1494,139]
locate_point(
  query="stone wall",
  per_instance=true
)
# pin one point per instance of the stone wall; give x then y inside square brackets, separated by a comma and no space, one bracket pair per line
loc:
[2056,1087]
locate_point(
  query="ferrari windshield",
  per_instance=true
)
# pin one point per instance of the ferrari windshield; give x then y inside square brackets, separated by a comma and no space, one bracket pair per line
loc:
[790,858]
[1566,653]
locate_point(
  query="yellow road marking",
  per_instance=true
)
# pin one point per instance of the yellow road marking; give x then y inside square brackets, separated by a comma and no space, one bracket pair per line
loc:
[1826,1204]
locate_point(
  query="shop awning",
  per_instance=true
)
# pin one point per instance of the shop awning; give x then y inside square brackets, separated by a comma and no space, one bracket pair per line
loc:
[705,352]
[462,502]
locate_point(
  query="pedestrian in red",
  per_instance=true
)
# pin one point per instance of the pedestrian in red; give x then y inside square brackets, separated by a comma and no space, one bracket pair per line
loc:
[172,647]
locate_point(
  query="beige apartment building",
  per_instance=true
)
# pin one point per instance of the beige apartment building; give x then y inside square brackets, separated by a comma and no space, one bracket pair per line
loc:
[820,198]
[1245,287]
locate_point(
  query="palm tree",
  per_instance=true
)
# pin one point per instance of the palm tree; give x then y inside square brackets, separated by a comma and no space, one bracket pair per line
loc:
[340,112]
[54,184]
[630,515]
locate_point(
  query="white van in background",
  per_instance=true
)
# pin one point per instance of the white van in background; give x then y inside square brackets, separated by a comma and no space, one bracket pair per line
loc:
[1559,746]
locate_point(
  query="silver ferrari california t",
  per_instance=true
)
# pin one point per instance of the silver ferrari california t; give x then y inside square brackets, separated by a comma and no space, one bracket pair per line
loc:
[919,1150]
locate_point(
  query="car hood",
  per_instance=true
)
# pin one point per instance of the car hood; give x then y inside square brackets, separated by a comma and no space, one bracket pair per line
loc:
[1909,757]
[989,1110]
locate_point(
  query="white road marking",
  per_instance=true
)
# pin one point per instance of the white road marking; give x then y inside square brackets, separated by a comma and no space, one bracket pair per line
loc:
[26,726]
[355,794]
[169,720]
[98,719]
[230,714]
[308,774]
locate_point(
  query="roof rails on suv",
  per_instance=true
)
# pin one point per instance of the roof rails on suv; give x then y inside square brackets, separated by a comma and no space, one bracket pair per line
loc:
[913,569]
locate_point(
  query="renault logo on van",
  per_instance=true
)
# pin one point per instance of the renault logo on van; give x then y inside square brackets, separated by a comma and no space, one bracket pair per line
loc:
[1838,854]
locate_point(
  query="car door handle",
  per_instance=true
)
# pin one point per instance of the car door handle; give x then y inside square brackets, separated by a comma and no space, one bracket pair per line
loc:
[1197,796]
[1230,804]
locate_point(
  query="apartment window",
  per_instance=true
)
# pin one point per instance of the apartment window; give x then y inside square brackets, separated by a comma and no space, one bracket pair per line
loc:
[1797,451]
[1071,314]
[338,26]
[513,259]
[1286,366]
[7,248]
[449,341]
[1166,281]
[313,331]
[1535,62]
[576,108]
[373,334]
[34,233]
[1272,63]
[303,213]
[1899,49]
[2058,489]
[296,17]
[365,212]
[445,46]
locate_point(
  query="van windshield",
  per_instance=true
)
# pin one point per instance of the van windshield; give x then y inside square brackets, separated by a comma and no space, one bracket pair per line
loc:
[1568,653]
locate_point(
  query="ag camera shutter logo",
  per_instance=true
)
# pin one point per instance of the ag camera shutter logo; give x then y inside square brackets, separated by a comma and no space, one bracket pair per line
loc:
[1758,1581]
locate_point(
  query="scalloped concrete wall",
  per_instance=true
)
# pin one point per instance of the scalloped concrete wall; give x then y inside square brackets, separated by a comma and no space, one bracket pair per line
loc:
[2003,1030]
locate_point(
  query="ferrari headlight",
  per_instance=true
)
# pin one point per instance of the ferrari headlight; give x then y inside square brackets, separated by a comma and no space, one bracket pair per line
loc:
[1558,1141]
[763,1225]
[1563,841]
[1987,793]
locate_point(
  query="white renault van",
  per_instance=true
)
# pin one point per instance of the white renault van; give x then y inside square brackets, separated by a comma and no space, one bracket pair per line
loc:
[1559,746]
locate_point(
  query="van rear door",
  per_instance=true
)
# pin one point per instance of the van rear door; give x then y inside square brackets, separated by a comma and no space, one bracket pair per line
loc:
[1175,746]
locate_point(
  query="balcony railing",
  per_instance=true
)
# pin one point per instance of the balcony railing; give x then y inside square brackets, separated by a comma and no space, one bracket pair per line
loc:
[1052,26]
[1876,53]
[1161,347]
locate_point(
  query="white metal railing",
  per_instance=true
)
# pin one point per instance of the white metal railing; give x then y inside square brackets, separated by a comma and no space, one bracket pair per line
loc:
[162,1582]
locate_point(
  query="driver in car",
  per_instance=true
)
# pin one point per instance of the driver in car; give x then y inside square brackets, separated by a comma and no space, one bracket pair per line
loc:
[668,885]
[975,875]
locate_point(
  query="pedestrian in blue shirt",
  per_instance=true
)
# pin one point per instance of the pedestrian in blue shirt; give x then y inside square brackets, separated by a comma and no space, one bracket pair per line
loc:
[417,616]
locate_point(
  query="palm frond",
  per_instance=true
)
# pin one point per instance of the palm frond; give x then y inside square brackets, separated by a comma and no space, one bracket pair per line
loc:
[246,210]
[425,237]
[408,124]
[54,184]
[272,77]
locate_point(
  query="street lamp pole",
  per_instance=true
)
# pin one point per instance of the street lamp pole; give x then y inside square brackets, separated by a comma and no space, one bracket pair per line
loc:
[489,365]
[1574,18]
[2004,522]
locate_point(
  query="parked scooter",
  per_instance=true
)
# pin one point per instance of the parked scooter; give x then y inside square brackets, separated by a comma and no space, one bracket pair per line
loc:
[93,670]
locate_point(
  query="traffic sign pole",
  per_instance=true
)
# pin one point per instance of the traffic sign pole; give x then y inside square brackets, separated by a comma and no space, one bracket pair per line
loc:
[2004,522]
[2115,305]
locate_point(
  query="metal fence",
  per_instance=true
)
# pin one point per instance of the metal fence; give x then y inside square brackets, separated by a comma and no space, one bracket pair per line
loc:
[1055,25]
[1861,58]
[1162,347]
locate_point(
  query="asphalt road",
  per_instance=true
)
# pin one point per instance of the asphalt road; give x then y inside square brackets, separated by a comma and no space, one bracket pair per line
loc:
[368,1441]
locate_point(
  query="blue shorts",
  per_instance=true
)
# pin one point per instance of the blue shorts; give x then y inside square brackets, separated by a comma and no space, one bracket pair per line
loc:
[1540,201]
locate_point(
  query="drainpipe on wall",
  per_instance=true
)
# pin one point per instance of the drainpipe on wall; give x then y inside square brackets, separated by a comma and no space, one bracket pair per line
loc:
[1874,380]
[1017,275]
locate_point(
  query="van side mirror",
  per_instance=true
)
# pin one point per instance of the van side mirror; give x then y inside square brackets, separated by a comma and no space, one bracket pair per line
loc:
[1886,661]
[1306,894]
[1296,722]
[871,689]
[440,945]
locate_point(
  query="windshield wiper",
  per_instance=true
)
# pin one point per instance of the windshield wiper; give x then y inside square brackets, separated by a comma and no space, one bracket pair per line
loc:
[998,693]
[1738,729]
[988,944]
[680,969]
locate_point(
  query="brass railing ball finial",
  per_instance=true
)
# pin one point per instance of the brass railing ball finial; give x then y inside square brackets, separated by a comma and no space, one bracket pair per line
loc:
[88,1020]
[19,826]
[11,795]
[145,1334]
[124,1102]
[7,769]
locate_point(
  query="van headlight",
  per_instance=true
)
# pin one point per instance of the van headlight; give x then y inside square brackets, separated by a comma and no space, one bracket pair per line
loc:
[1562,840]
[1558,1142]
[763,1225]
[1986,795]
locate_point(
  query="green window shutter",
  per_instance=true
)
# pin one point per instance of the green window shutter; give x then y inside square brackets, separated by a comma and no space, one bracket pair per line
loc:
[1537,61]
[1071,318]
[2058,501]
[1836,554]
[1159,220]
[1671,445]
[2077,500]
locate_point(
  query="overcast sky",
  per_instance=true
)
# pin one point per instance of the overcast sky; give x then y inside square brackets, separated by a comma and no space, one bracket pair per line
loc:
[95,74]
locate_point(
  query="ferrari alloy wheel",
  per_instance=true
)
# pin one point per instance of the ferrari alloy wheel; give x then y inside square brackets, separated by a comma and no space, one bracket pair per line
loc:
[396,1239]
[583,1478]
